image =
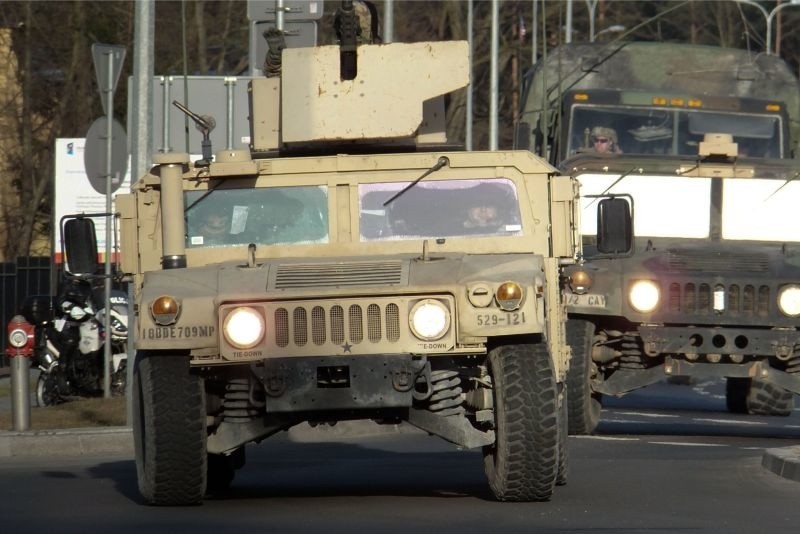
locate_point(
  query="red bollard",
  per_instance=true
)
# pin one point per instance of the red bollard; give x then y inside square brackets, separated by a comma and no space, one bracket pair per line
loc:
[19,351]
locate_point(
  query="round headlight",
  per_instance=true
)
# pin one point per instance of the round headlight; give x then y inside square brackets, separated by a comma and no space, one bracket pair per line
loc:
[243,327]
[644,295]
[429,319]
[509,296]
[18,338]
[789,300]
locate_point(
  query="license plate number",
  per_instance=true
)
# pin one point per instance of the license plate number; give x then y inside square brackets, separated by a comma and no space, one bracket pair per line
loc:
[501,319]
[589,300]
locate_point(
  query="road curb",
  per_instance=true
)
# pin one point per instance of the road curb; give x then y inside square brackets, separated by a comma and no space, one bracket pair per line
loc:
[784,462]
[67,442]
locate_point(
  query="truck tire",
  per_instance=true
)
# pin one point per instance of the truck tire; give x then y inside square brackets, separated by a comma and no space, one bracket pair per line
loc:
[169,430]
[523,462]
[584,405]
[756,397]
[563,425]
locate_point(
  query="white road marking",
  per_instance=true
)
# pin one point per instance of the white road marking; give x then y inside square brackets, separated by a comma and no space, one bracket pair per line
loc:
[648,414]
[606,438]
[682,444]
[729,421]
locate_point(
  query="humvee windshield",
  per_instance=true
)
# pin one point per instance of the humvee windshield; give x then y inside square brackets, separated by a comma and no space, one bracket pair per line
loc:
[681,206]
[299,215]
[433,209]
[674,131]
[266,216]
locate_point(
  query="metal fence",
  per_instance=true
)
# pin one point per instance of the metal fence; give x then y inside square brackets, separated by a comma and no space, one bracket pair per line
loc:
[27,276]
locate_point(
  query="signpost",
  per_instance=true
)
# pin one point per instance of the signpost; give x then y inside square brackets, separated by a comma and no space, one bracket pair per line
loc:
[108,60]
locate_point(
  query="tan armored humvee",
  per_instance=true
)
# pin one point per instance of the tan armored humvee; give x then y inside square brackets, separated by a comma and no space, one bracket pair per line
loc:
[349,267]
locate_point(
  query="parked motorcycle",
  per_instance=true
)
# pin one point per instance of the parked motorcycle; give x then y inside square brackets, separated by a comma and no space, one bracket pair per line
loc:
[69,342]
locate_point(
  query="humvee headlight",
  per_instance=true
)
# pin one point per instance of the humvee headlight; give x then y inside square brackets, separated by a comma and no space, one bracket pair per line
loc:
[429,319]
[509,296]
[789,300]
[165,310]
[580,282]
[243,327]
[644,295]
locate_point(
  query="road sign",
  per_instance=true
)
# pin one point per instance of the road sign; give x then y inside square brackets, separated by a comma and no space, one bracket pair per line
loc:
[264,10]
[95,155]
[108,60]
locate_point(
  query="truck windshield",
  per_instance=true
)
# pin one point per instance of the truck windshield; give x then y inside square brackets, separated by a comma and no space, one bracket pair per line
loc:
[266,216]
[671,131]
[439,208]
[681,207]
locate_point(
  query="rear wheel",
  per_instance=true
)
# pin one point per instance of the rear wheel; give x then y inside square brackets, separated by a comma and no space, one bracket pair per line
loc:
[169,430]
[754,396]
[522,464]
[583,404]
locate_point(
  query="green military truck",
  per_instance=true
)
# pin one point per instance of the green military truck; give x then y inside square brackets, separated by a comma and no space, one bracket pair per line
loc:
[349,266]
[659,99]
[703,141]
[709,287]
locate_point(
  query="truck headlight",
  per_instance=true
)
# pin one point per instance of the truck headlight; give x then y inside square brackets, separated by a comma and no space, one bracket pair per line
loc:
[789,300]
[429,319]
[243,327]
[644,295]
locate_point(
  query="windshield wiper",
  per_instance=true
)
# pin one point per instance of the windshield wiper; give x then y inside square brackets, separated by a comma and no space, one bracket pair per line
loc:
[443,161]
[783,185]
[618,180]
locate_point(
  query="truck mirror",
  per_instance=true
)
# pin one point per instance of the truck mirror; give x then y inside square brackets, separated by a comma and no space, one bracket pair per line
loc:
[614,226]
[80,246]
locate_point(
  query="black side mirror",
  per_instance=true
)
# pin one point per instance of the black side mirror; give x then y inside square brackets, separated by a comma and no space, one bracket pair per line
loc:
[80,246]
[614,226]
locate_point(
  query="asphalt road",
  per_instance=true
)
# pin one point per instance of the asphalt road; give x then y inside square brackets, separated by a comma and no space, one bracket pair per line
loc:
[668,459]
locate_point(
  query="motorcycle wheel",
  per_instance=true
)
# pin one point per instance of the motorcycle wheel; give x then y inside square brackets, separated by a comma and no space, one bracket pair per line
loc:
[47,393]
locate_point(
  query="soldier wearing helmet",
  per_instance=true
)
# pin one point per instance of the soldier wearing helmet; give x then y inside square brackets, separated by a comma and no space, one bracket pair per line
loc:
[604,140]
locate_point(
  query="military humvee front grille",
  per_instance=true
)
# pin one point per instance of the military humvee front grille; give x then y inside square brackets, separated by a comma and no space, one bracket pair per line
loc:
[291,276]
[292,325]
[716,261]
[698,299]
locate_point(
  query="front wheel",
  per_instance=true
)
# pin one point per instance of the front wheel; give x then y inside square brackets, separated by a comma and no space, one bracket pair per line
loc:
[169,429]
[47,392]
[522,465]
[583,404]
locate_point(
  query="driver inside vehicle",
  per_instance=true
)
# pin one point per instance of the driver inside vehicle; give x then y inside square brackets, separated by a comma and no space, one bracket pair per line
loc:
[213,227]
[604,140]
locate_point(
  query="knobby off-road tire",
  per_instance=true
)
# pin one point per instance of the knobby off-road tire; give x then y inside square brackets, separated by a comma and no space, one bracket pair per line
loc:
[563,425]
[583,404]
[756,397]
[522,464]
[169,430]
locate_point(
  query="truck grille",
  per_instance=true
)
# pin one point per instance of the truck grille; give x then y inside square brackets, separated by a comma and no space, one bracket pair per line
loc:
[292,276]
[299,325]
[746,300]
[679,260]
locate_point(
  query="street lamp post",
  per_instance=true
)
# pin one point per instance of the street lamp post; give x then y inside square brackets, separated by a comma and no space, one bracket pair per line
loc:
[769,16]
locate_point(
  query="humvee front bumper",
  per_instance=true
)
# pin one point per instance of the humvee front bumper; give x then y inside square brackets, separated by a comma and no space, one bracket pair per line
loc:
[779,342]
